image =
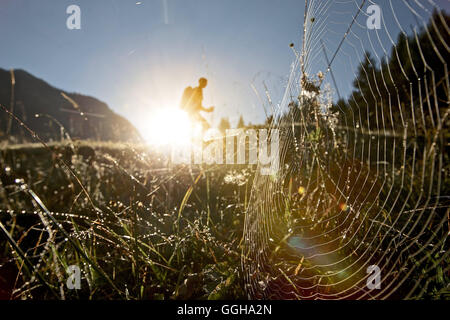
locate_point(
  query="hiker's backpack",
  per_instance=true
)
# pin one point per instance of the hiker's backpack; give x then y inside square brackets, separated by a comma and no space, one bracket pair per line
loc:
[186,98]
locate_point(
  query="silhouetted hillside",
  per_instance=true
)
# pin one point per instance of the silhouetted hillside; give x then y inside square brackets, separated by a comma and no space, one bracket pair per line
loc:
[83,118]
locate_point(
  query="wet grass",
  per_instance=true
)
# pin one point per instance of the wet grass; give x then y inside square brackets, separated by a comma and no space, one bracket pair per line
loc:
[137,226]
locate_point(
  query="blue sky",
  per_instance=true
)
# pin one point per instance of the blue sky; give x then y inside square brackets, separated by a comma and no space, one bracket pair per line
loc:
[137,57]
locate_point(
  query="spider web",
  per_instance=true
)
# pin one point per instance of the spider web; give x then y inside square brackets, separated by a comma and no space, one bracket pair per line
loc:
[363,181]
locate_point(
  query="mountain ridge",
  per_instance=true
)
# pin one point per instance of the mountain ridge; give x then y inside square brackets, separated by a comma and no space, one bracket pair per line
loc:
[82,117]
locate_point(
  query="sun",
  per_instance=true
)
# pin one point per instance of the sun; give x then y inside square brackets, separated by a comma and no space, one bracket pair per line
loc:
[169,126]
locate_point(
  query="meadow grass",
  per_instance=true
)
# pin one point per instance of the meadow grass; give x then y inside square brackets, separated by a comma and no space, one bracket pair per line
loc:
[138,227]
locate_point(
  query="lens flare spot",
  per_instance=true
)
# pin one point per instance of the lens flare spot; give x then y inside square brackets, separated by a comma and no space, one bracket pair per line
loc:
[301,190]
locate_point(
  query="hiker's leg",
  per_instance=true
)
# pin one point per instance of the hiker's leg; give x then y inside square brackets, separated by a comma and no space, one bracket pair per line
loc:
[204,123]
[199,119]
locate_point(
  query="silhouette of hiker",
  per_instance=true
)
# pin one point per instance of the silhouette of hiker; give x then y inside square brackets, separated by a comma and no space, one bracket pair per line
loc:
[192,101]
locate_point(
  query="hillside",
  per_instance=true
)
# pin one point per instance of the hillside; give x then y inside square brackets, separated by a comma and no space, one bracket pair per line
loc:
[87,118]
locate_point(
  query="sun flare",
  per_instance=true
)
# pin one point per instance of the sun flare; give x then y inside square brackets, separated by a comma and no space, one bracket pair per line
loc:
[170,127]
